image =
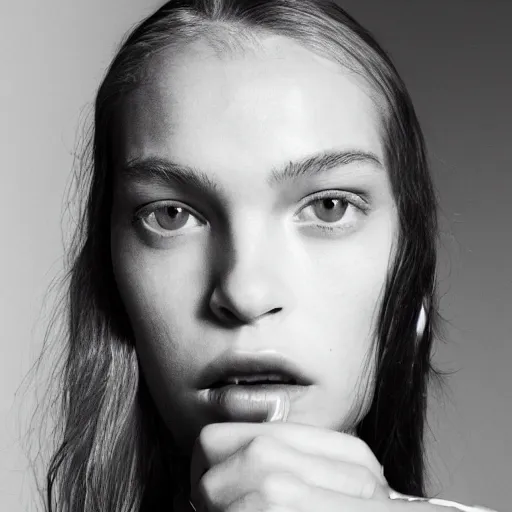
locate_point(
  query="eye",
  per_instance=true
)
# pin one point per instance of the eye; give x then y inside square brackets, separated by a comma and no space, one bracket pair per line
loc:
[333,210]
[166,219]
[330,209]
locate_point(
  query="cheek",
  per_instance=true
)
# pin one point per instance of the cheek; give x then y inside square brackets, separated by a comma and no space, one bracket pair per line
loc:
[352,280]
[350,284]
[151,283]
[348,315]
[345,351]
[361,286]
[161,296]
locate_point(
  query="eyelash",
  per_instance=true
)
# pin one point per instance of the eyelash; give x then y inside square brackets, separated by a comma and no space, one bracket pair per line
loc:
[352,200]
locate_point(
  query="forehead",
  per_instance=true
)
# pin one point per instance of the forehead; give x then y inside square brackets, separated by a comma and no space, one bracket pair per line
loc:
[251,110]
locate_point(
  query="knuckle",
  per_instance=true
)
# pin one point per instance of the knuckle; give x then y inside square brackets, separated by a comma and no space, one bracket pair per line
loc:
[367,475]
[357,481]
[259,448]
[365,451]
[366,457]
[368,488]
[368,483]
[206,484]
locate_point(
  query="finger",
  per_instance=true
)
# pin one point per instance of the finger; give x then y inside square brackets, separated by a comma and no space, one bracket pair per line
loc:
[289,491]
[244,471]
[254,502]
[218,441]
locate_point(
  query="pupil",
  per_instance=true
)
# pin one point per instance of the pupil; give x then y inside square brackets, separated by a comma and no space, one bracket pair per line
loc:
[331,210]
[172,217]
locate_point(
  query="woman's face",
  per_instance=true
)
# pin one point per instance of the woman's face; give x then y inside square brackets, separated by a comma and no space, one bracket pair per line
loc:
[243,258]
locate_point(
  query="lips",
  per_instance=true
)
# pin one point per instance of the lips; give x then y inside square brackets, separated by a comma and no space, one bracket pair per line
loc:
[253,380]
[253,369]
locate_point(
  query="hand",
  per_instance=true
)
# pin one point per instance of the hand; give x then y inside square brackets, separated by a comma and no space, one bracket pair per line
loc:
[252,467]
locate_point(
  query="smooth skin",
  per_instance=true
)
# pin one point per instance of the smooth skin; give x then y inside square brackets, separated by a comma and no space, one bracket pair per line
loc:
[281,467]
[286,464]
[297,267]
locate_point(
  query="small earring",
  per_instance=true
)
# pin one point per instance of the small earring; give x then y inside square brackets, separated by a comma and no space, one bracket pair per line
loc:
[422,321]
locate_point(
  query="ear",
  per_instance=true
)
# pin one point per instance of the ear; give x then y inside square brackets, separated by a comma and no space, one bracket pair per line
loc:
[422,320]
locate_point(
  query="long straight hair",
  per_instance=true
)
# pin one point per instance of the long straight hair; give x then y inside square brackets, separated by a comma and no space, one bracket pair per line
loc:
[114,451]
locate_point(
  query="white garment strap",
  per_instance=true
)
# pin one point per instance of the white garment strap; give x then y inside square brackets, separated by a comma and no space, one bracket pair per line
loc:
[436,501]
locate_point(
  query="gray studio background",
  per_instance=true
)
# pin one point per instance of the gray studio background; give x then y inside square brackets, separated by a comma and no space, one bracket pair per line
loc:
[455,58]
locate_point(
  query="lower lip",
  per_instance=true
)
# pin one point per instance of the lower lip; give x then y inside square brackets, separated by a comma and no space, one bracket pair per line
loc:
[249,403]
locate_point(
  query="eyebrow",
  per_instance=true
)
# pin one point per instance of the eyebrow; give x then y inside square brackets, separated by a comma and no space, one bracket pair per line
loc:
[165,171]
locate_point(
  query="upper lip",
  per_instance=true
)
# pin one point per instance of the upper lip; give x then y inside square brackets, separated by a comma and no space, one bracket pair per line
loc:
[237,364]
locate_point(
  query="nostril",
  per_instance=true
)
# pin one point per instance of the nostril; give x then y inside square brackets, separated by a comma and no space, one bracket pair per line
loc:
[227,313]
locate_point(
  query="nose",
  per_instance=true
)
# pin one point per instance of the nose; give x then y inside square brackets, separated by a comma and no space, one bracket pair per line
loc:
[244,307]
[252,283]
